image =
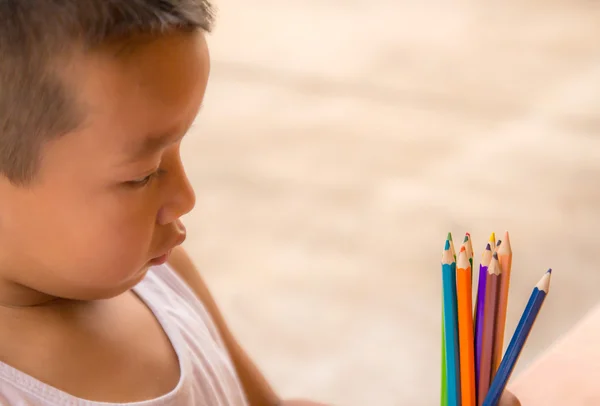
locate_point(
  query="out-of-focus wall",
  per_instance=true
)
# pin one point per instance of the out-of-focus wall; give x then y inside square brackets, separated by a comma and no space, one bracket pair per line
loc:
[341,140]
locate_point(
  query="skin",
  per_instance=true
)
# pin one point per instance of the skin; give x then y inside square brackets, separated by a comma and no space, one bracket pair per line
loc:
[74,243]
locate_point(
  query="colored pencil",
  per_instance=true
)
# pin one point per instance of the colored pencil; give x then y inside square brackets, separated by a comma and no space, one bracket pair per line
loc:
[486,258]
[505,259]
[465,329]
[451,326]
[444,389]
[493,241]
[519,338]
[489,321]
[469,247]
[449,238]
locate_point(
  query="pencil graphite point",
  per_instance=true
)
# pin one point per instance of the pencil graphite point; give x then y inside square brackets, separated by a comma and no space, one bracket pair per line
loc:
[498,243]
[447,246]
[549,271]
[496,256]
[488,247]
[493,239]
[466,238]
[449,237]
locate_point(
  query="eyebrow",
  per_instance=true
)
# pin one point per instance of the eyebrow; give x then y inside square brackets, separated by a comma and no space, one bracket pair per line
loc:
[151,144]
[154,142]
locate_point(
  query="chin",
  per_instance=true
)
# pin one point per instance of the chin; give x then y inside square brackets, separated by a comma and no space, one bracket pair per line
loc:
[114,290]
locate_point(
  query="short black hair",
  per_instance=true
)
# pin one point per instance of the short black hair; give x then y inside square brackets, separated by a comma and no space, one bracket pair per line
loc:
[35,105]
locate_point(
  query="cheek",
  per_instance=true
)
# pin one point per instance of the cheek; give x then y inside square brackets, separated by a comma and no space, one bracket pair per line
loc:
[96,242]
[123,235]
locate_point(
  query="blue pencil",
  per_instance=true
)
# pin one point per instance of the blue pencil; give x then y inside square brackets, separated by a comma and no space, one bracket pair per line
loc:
[451,326]
[518,340]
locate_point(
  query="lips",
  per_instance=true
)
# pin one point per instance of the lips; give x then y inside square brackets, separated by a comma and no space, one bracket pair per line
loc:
[180,236]
[161,260]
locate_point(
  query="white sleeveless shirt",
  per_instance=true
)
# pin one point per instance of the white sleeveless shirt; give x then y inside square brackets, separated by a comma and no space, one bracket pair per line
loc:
[207,374]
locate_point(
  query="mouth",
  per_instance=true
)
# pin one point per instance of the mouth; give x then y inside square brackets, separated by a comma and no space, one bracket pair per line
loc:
[162,259]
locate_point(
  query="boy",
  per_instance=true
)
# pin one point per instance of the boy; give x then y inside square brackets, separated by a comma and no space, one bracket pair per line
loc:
[98,303]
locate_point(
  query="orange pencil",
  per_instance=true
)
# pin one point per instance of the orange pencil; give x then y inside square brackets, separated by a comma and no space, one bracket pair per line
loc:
[505,261]
[465,329]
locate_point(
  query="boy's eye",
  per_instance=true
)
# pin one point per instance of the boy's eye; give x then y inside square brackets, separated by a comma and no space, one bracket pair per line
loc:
[139,183]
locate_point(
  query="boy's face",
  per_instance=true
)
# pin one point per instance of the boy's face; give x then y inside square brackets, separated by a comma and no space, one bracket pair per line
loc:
[108,197]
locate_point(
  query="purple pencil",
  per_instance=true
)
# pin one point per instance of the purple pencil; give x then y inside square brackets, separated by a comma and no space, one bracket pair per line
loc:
[486,258]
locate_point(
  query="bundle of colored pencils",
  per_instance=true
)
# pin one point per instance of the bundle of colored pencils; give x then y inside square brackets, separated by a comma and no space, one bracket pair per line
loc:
[475,371]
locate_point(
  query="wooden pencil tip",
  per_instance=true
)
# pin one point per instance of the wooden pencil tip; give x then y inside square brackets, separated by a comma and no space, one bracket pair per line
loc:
[505,248]
[466,238]
[498,243]
[544,283]
[496,256]
[449,237]
[488,247]
[447,245]
[493,239]
[463,261]
[494,267]
[549,271]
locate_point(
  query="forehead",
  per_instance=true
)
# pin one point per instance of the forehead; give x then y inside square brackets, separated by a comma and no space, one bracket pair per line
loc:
[140,99]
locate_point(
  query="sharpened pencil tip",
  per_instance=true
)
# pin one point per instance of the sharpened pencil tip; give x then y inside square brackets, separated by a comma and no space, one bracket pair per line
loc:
[447,246]
[488,247]
[496,256]
[544,283]
[498,243]
[549,271]
[466,238]
[493,238]
[463,249]
[449,237]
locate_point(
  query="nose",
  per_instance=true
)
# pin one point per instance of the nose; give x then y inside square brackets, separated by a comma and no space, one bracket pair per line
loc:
[180,198]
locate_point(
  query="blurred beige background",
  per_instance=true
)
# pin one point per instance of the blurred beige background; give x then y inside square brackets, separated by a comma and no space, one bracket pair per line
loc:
[341,140]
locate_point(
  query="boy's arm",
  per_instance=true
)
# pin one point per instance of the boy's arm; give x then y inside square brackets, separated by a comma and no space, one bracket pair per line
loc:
[257,389]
